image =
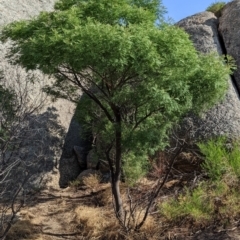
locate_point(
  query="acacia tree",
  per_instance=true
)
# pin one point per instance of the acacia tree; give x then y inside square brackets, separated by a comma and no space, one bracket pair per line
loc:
[139,78]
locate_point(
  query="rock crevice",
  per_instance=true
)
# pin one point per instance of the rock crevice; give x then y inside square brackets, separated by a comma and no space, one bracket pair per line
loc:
[224,51]
[224,117]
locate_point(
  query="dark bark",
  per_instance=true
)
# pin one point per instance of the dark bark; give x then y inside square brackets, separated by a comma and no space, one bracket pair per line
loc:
[116,178]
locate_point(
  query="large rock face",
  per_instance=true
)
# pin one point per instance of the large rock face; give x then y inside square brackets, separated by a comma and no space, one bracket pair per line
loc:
[224,117]
[59,132]
[11,10]
[229,27]
[51,123]
[203,29]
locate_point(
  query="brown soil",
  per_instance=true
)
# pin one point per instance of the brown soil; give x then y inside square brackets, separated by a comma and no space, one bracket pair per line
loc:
[52,213]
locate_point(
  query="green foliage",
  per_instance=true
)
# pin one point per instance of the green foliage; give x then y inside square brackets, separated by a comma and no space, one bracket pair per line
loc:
[234,159]
[75,184]
[216,8]
[115,11]
[134,167]
[209,201]
[216,162]
[206,81]
[220,160]
[194,205]
[217,197]
[139,79]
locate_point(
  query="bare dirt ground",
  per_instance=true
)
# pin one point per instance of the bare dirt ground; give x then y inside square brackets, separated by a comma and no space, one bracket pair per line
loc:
[51,215]
[48,215]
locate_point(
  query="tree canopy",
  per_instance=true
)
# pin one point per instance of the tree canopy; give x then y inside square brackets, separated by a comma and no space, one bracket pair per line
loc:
[139,78]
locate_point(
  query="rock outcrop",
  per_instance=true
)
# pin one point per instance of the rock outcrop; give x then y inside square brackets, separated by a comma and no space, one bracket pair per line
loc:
[203,29]
[229,27]
[59,132]
[52,121]
[74,153]
[224,117]
[15,9]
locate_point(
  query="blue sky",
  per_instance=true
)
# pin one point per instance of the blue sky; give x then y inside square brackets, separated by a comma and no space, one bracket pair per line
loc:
[179,9]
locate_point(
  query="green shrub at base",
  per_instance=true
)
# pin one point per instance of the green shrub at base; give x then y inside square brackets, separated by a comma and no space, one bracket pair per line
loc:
[221,158]
[216,198]
[194,205]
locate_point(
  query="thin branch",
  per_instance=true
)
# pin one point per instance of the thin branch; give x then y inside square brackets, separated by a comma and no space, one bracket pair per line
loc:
[89,94]
[159,188]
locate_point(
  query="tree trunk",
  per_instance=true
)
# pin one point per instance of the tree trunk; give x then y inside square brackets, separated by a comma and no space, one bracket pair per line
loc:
[116,178]
[117,199]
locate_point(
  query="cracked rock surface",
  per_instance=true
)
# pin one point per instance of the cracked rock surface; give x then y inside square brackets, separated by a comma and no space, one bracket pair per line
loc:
[224,117]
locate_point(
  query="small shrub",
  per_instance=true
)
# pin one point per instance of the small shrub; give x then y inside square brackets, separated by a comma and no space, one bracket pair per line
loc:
[221,161]
[216,198]
[134,168]
[216,163]
[195,205]
[216,8]
[234,158]
[158,164]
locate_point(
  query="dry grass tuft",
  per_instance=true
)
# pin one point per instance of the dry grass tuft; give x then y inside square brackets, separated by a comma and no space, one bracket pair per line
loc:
[23,229]
[146,182]
[105,197]
[100,223]
[150,226]
[94,221]
[92,181]
[91,217]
